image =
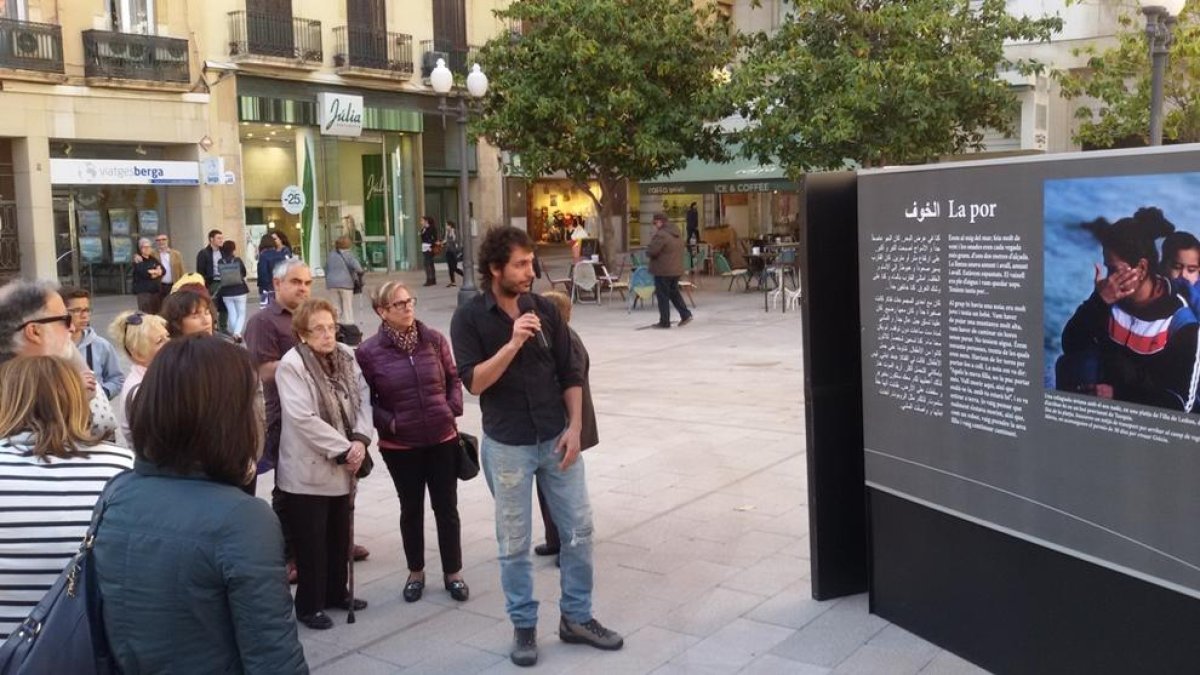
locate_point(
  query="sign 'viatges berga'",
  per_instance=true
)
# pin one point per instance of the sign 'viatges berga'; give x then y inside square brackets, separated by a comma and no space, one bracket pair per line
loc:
[340,114]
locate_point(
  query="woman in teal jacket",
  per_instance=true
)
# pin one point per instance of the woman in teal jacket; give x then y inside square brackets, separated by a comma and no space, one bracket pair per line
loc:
[190,567]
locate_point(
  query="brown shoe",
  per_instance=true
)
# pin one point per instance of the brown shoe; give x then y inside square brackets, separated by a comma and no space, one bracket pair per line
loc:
[361,553]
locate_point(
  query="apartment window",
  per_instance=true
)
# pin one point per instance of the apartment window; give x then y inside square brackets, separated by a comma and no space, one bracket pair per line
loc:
[449,24]
[14,9]
[133,16]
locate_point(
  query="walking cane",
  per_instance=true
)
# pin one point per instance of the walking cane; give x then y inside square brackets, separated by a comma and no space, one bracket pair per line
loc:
[350,556]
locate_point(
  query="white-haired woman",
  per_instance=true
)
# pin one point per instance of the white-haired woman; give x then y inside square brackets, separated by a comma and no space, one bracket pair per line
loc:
[140,336]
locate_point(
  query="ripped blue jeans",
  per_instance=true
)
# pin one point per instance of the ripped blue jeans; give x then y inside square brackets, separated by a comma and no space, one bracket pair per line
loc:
[510,471]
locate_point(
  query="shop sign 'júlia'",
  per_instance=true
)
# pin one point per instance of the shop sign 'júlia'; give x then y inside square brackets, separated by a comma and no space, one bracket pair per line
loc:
[340,114]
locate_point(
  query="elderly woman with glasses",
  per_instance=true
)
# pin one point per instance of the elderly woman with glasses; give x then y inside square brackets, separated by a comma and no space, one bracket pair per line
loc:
[323,440]
[140,336]
[416,396]
[147,278]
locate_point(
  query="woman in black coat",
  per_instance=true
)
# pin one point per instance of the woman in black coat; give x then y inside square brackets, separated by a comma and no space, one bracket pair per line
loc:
[146,276]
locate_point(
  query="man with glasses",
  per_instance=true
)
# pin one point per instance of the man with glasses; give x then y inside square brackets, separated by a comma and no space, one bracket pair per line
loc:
[34,321]
[98,353]
[172,262]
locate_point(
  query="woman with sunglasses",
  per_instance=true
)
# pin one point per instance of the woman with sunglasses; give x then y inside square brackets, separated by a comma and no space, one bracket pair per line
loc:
[416,396]
[140,336]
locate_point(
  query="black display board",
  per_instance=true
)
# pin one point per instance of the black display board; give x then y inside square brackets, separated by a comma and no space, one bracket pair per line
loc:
[833,386]
[1030,405]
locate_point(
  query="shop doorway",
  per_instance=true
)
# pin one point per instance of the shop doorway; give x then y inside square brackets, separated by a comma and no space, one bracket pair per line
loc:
[441,203]
[10,250]
[96,231]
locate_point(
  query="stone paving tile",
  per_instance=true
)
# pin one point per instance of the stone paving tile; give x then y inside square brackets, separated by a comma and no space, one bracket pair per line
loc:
[733,647]
[358,664]
[770,664]
[872,660]
[793,607]
[644,651]
[710,612]
[456,659]
[439,633]
[769,576]
[947,663]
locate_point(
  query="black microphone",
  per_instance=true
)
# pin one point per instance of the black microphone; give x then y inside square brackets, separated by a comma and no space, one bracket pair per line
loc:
[526,305]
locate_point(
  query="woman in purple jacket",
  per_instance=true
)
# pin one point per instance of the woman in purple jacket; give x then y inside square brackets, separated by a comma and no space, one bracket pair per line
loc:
[415,395]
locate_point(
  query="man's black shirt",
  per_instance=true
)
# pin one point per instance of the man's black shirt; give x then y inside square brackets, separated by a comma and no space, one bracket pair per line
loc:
[525,406]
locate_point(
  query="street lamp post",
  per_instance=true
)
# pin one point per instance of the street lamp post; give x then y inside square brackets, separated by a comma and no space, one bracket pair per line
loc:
[442,81]
[1161,16]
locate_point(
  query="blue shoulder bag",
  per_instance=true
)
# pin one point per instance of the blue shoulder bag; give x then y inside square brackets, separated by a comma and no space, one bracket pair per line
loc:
[65,632]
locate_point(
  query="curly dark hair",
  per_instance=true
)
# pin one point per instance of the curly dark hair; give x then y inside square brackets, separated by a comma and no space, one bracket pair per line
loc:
[1132,239]
[496,250]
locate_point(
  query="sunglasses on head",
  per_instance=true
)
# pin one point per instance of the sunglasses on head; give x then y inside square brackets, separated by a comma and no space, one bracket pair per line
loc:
[134,319]
[65,319]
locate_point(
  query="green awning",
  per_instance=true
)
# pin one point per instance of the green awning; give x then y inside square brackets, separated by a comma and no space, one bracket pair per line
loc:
[738,176]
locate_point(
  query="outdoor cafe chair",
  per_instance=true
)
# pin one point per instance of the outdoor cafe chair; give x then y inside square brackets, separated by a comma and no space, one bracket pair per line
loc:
[565,282]
[613,282]
[641,287]
[728,272]
[585,281]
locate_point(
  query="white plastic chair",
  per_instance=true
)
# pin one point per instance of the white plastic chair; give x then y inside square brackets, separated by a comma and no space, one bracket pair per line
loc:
[585,281]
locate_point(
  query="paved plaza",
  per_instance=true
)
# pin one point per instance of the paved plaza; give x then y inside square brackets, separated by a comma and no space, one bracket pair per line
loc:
[699,493]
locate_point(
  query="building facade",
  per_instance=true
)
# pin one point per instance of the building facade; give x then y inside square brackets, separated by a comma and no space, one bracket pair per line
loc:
[139,117]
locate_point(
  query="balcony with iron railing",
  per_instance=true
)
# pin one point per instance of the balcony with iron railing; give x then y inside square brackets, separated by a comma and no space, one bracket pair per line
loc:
[458,58]
[372,53]
[25,45]
[257,37]
[136,58]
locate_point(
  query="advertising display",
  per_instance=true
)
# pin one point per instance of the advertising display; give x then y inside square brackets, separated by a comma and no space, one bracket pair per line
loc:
[1030,350]
[123,172]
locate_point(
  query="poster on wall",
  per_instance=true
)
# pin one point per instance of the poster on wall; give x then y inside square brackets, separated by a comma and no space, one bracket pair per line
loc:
[91,250]
[148,222]
[90,222]
[119,221]
[1031,350]
[122,250]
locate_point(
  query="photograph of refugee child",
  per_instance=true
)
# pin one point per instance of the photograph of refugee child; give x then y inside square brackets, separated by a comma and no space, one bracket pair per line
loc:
[1122,263]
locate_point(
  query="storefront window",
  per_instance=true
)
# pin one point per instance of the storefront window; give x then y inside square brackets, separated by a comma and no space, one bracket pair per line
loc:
[100,227]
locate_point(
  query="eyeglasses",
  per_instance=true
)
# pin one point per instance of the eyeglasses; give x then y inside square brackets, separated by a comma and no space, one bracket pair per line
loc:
[79,310]
[323,329]
[403,304]
[65,319]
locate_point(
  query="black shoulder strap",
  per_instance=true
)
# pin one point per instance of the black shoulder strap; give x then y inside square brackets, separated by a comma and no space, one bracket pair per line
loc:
[89,358]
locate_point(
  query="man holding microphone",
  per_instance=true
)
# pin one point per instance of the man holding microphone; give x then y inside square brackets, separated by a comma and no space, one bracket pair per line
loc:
[513,350]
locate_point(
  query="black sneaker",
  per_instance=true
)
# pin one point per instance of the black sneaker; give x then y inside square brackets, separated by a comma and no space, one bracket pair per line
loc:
[316,621]
[661,325]
[589,633]
[684,322]
[524,651]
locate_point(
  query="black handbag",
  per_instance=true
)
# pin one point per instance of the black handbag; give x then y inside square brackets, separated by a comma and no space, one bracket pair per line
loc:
[468,456]
[65,632]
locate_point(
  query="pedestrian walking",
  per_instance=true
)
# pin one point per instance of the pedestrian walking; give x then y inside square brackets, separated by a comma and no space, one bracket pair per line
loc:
[270,254]
[189,566]
[514,352]
[416,396]
[342,270]
[429,239]
[452,249]
[325,432]
[51,472]
[666,264]
[233,289]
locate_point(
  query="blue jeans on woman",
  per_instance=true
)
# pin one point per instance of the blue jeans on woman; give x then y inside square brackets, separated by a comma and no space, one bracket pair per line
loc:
[510,472]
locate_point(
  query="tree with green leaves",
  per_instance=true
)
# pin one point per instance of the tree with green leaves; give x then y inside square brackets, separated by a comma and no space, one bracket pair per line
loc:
[879,81]
[1114,88]
[605,90]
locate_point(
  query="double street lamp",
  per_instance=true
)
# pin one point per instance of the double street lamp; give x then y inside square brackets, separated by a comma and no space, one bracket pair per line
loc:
[1161,16]
[442,81]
